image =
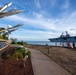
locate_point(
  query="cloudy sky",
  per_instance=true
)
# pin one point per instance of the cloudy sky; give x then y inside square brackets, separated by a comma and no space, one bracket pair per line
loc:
[42,19]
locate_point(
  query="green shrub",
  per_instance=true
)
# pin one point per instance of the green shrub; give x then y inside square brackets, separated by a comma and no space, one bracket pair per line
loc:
[29,54]
[21,50]
[17,55]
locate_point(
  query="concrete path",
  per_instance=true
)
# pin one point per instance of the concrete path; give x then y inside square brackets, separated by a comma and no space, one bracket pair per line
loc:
[42,65]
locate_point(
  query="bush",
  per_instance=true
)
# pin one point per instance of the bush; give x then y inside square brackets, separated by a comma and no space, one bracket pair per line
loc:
[17,55]
[29,54]
[21,50]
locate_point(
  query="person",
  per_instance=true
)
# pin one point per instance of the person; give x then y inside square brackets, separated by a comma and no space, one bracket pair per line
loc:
[60,44]
[56,43]
[46,44]
[73,45]
[68,44]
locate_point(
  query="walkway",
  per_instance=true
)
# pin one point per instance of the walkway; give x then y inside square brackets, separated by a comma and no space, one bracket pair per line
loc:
[42,65]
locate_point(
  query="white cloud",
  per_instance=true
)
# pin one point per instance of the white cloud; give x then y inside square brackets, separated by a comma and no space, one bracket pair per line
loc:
[32,35]
[37,22]
[53,27]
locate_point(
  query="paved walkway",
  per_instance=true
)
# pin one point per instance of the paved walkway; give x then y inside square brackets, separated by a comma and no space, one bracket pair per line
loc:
[42,65]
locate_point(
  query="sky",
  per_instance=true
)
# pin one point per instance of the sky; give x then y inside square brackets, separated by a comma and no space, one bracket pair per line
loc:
[42,19]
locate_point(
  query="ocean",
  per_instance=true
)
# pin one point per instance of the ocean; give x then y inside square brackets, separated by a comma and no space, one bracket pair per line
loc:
[46,42]
[41,42]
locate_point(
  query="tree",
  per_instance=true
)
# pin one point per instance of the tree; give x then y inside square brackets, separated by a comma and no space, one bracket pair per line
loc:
[2,28]
[3,36]
[22,42]
[13,40]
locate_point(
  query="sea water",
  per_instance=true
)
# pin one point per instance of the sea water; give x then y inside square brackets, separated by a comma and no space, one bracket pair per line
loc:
[41,42]
[46,42]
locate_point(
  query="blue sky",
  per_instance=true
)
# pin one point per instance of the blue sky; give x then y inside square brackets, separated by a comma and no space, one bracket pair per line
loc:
[43,19]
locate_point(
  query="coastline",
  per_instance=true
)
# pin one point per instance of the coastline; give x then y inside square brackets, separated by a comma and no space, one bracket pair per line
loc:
[49,43]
